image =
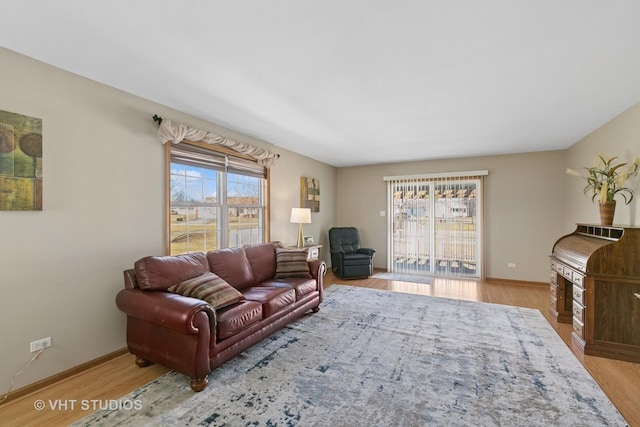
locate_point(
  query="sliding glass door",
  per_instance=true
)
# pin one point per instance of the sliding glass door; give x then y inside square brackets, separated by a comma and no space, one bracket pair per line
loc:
[435,224]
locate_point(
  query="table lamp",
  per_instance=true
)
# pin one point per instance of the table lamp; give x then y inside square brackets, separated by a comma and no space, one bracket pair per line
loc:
[300,216]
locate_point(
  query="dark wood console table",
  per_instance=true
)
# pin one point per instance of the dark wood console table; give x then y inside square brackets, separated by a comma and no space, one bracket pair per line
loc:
[595,284]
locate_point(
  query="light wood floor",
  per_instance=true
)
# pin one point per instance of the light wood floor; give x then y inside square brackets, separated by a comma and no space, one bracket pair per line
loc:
[119,376]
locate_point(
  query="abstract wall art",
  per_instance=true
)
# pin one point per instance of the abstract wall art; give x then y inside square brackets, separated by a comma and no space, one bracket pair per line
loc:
[20,162]
[310,193]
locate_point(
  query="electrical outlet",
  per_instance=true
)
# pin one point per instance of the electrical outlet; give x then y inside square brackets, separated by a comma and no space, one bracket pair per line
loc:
[511,265]
[40,344]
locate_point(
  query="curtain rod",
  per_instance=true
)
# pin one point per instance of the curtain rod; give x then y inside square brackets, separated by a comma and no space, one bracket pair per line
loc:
[462,174]
[158,119]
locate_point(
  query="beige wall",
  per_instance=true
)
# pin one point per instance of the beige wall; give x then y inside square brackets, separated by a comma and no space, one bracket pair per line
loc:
[524,208]
[103,170]
[285,194]
[619,137]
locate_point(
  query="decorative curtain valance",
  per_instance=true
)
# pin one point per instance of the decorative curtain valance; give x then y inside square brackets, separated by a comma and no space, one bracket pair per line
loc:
[176,132]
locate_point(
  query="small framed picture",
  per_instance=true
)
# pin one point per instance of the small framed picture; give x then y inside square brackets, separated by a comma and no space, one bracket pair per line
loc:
[308,240]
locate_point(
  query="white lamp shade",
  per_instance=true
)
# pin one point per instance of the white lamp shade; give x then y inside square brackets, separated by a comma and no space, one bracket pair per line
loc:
[301,215]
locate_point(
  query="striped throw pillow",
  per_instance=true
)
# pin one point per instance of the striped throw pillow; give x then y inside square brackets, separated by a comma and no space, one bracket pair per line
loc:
[210,288]
[291,263]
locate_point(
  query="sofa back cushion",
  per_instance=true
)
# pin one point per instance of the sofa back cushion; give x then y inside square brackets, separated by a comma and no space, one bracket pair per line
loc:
[232,265]
[262,258]
[160,272]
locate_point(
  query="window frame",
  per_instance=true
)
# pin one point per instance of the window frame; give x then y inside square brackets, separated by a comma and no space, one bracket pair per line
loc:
[218,150]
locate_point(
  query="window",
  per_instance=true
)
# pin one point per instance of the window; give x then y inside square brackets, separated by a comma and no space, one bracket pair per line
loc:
[216,199]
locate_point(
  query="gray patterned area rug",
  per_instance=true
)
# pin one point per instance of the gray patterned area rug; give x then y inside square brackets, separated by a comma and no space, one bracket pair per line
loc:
[414,278]
[380,358]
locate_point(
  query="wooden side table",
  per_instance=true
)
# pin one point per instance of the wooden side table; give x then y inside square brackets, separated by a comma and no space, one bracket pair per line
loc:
[313,251]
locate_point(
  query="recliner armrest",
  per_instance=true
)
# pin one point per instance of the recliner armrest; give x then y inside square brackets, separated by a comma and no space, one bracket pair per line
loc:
[165,309]
[367,251]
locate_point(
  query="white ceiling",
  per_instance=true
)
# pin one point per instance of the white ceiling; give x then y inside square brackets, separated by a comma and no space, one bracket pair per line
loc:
[353,82]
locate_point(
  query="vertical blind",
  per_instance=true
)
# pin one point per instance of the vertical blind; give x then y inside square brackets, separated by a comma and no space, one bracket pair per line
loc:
[435,224]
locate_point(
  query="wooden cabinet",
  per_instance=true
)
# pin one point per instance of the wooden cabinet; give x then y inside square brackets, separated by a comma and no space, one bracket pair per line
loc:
[595,285]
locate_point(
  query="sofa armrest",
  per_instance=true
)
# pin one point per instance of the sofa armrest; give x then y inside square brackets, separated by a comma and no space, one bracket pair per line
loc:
[317,268]
[172,311]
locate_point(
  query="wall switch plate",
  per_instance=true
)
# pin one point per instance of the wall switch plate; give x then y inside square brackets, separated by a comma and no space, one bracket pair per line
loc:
[511,265]
[40,344]
[382,213]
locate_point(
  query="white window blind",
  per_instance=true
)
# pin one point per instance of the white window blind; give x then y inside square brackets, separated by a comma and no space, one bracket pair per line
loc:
[435,224]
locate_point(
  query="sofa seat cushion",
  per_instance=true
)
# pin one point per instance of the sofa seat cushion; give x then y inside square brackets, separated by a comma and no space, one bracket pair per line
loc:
[210,288]
[273,299]
[236,318]
[302,286]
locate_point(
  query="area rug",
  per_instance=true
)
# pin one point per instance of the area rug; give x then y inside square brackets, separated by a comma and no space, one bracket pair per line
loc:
[414,278]
[380,358]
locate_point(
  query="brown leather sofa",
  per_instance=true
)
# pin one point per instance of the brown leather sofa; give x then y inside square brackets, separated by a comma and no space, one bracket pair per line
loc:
[187,334]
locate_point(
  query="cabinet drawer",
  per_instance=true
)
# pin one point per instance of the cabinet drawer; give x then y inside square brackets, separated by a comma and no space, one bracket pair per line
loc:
[567,273]
[556,267]
[553,277]
[578,279]
[314,253]
[578,328]
[578,311]
[554,290]
[578,294]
